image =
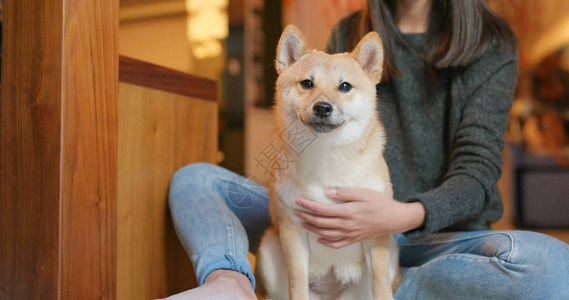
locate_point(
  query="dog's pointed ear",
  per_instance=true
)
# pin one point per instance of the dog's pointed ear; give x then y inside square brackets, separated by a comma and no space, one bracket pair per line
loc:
[291,47]
[369,53]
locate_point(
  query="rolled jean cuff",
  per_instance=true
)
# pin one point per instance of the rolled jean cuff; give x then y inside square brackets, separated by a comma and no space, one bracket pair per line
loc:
[228,262]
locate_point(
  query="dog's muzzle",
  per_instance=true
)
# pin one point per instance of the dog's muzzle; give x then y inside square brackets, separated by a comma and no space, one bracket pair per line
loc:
[321,119]
[322,109]
[323,127]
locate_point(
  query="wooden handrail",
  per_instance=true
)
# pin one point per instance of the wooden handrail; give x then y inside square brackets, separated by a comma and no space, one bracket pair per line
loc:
[149,75]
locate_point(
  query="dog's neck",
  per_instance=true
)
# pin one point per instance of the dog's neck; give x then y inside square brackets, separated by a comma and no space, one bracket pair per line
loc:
[328,154]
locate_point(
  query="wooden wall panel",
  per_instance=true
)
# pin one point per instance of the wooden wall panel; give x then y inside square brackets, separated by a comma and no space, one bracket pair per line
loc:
[59,159]
[58,149]
[30,106]
[89,149]
[159,132]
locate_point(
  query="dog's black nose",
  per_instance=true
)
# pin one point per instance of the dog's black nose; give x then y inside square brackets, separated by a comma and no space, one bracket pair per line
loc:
[322,109]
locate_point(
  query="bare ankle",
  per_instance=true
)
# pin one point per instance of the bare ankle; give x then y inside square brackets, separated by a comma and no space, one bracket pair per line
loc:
[230,278]
[220,284]
[226,274]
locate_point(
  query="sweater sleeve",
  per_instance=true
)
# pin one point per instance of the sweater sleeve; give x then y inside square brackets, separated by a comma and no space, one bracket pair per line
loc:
[476,156]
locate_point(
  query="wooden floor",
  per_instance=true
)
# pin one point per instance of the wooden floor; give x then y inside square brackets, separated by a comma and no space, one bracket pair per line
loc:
[506,221]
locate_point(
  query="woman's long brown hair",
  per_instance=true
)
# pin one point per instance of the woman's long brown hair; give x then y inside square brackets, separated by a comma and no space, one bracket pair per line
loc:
[460,31]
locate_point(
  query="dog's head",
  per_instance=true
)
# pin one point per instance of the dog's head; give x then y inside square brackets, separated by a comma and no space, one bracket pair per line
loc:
[328,93]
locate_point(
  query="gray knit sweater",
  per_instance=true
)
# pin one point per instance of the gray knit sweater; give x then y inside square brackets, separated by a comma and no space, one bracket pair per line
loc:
[445,133]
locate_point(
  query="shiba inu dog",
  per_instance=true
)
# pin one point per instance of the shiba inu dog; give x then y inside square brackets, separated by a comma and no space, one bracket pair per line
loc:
[331,99]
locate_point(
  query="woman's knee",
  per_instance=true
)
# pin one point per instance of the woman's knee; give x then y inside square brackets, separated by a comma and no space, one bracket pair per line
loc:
[534,246]
[544,258]
[191,174]
[192,178]
[518,245]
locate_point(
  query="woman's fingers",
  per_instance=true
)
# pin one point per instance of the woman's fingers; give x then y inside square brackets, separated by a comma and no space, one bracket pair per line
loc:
[346,194]
[319,221]
[329,233]
[322,209]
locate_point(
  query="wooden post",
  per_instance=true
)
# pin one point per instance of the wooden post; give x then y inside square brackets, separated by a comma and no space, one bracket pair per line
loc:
[58,149]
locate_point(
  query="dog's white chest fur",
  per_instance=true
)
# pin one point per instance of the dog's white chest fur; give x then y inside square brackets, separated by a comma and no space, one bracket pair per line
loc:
[337,273]
[346,263]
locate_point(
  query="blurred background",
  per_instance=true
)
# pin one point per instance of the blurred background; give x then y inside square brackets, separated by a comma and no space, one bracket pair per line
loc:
[234,41]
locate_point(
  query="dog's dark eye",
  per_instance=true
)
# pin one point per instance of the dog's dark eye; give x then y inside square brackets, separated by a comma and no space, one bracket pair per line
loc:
[307,84]
[344,87]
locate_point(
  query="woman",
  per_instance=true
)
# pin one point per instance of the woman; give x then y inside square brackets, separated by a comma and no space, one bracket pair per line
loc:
[450,72]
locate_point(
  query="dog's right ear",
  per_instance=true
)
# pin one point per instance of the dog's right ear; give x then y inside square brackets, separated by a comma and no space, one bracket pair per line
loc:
[291,47]
[369,53]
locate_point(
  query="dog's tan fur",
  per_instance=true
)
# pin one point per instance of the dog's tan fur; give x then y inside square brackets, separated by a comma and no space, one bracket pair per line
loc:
[348,155]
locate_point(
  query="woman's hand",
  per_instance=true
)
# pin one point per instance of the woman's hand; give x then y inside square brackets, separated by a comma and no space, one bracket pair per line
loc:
[366,214]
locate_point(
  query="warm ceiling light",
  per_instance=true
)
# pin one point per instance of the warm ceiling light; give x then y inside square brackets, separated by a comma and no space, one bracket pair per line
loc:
[208,23]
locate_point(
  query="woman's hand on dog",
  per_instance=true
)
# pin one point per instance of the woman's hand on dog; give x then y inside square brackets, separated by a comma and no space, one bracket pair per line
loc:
[366,214]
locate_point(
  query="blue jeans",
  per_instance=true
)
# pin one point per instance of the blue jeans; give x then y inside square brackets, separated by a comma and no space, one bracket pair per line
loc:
[220,216]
